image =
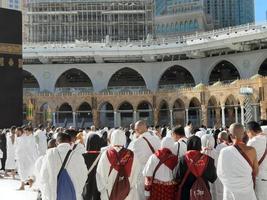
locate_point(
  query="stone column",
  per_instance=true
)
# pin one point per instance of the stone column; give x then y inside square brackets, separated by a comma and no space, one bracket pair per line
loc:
[186,116]
[54,119]
[223,116]
[74,119]
[95,118]
[236,114]
[204,115]
[218,118]
[115,119]
[156,116]
[255,112]
[134,116]
[242,115]
[263,110]
[171,118]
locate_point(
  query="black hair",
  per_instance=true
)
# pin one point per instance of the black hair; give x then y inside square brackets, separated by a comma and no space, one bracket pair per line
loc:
[63,138]
[40,126]
[51,143]
[203,126]
[71,132]
[127,134]
[13,128]
[263,122]
[189,123]
[253,126]
[194,143]
[178,130]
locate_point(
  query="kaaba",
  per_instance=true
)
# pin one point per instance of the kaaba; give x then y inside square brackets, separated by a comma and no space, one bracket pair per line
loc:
[11,80]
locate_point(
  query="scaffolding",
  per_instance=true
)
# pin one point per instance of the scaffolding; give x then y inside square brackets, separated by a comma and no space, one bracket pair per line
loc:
[63,21]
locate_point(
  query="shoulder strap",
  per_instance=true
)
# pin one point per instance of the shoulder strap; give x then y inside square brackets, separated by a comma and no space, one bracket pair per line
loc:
[263,156]
[178,150]
[74,146]
[159,164]
[249,162]
[118,160]
[149,144]
[187,174]
[65,161]
[94,163]
[244,155]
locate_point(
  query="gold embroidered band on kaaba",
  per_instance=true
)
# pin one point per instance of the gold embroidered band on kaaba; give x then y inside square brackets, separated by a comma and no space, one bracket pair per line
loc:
[6,48]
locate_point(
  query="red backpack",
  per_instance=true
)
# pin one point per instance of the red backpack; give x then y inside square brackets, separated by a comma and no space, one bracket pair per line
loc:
[199,190]
[122,164]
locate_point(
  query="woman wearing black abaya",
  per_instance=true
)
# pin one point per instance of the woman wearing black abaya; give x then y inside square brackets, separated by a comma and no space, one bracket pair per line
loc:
[94,144]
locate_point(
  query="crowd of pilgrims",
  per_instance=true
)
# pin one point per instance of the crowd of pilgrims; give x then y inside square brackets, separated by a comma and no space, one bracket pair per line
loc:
[140,162]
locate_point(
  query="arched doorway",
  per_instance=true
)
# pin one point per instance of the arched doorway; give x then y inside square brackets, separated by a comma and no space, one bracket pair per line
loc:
[194,114]
[126,79]
[125,112]
[145,112]
[45,115]
[263,68]
[175,77]
[84,115]
[232,111]
[30,83]
[64,115]
[225,72]
[256,109]
[179,113]
[164,113]
[73,81]
[106,115]
[212,109]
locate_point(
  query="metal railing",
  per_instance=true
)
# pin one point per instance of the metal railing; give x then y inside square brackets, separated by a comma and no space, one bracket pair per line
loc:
[170,38]
[31,90]
[176,86]
[119,89]
[74,90]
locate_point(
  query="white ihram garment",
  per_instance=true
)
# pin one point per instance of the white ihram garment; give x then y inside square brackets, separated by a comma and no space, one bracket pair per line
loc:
[51,165]
[10,162]
[259,143]
[182,144]
[26,155]
[41,142]
[143,152]
[235,174]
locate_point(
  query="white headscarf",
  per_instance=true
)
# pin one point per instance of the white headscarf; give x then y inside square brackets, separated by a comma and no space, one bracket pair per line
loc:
[208,142]
[118,138]
[168,143]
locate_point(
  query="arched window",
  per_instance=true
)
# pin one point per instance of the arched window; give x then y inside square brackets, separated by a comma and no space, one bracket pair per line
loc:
[225,72]
[176,76]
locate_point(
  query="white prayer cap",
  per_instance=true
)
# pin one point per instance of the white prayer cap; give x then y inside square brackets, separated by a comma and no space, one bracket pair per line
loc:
[168,143]
[118,138]
[208,141]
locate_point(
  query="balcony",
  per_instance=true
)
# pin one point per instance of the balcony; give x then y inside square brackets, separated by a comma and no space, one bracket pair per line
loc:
[73,90]
[175,86]
[31,91]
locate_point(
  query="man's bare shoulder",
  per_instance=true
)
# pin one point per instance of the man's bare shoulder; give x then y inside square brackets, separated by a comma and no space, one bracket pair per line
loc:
[249,148]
